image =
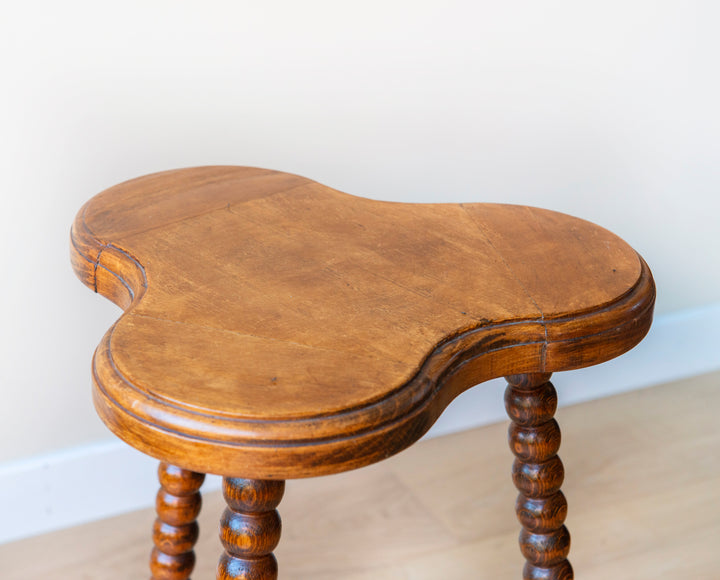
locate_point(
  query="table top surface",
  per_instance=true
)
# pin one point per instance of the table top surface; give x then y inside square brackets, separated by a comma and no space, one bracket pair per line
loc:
[263,310]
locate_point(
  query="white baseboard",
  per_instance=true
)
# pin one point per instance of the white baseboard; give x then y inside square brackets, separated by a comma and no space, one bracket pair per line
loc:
[91,482]
[75,486]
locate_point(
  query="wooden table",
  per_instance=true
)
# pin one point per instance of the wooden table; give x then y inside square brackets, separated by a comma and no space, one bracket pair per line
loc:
[275,328]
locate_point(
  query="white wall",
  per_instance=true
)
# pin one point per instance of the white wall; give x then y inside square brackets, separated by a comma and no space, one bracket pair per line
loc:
[606,110]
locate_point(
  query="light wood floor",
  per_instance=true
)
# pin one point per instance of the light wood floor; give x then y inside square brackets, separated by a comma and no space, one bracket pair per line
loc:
[643,484]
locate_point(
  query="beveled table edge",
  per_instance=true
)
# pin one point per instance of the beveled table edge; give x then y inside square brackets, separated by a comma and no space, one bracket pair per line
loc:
[310,446]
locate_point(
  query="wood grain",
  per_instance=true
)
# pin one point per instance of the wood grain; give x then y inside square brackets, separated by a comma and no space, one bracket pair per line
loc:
[176,529]
[276,328]
[538,473]
[250,529]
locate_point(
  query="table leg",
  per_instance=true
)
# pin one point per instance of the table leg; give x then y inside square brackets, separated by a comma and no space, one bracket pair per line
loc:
[250,529]
[538,473]
[175,531]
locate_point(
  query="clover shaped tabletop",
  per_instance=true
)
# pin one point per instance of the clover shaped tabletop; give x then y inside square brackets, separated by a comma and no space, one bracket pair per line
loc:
[274,327]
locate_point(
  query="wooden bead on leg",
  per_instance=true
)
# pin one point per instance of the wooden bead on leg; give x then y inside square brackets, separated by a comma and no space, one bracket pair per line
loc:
[250,529]
[538,473]
[176,530]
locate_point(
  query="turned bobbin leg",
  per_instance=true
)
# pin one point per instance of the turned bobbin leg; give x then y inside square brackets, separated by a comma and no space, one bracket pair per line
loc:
[250,529]
[175,531]
[538,473]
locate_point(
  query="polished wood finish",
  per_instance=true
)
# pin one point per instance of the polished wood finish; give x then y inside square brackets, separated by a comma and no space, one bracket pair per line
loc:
[176,530]
[538,473]
[275,328]
[250,529]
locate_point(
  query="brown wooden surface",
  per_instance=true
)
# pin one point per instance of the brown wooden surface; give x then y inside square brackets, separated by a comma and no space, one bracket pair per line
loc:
[538,473]
[250,529]
[176,530]
[275,328]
